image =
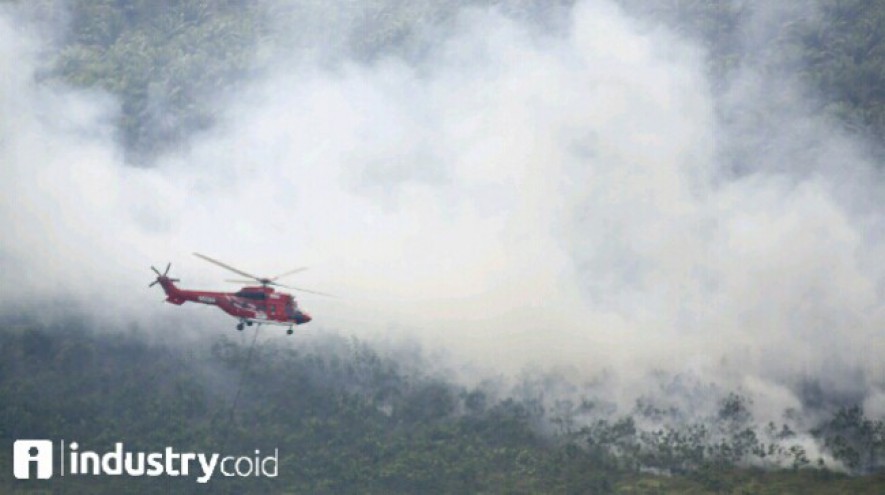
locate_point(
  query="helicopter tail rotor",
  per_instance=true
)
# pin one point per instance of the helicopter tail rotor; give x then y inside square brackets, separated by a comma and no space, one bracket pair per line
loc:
[162,276]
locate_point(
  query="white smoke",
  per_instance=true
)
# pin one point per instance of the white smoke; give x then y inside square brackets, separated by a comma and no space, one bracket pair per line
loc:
[518,199]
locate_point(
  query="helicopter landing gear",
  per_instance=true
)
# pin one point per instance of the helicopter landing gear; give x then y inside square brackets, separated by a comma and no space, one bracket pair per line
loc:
[240,326]
[249,323]
[290,331]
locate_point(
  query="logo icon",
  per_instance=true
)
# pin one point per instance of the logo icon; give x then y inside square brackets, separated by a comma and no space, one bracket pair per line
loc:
[32,453]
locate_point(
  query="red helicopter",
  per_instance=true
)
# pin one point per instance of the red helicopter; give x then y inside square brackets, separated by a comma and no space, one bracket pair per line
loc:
[251,305]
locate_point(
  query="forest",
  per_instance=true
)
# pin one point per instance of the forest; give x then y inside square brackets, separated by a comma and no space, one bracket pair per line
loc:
[170,62]
[349,418]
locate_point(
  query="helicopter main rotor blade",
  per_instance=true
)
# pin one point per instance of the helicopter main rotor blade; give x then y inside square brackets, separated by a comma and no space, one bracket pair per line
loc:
[290,272]
[303,290]
[238,272]
[277,284]
[168,266]
[156,271]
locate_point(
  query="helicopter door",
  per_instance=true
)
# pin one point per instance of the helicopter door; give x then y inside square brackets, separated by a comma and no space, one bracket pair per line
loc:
[290,311]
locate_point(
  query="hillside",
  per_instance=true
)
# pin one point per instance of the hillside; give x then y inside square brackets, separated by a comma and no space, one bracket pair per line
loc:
[171,62]
[345,420]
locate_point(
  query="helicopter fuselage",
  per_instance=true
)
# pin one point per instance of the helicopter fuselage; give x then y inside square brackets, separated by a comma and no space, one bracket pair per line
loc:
[250,304]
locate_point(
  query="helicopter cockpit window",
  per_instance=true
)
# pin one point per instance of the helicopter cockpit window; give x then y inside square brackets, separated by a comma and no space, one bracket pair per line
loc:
[257,296]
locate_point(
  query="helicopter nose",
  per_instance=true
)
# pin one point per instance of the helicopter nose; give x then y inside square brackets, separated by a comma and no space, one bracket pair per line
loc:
[303,318]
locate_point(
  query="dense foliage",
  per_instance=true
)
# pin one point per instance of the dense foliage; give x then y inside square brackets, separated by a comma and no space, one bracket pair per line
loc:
[170,62]
[844,58]
[347,420]
[835,46]
[166,60]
